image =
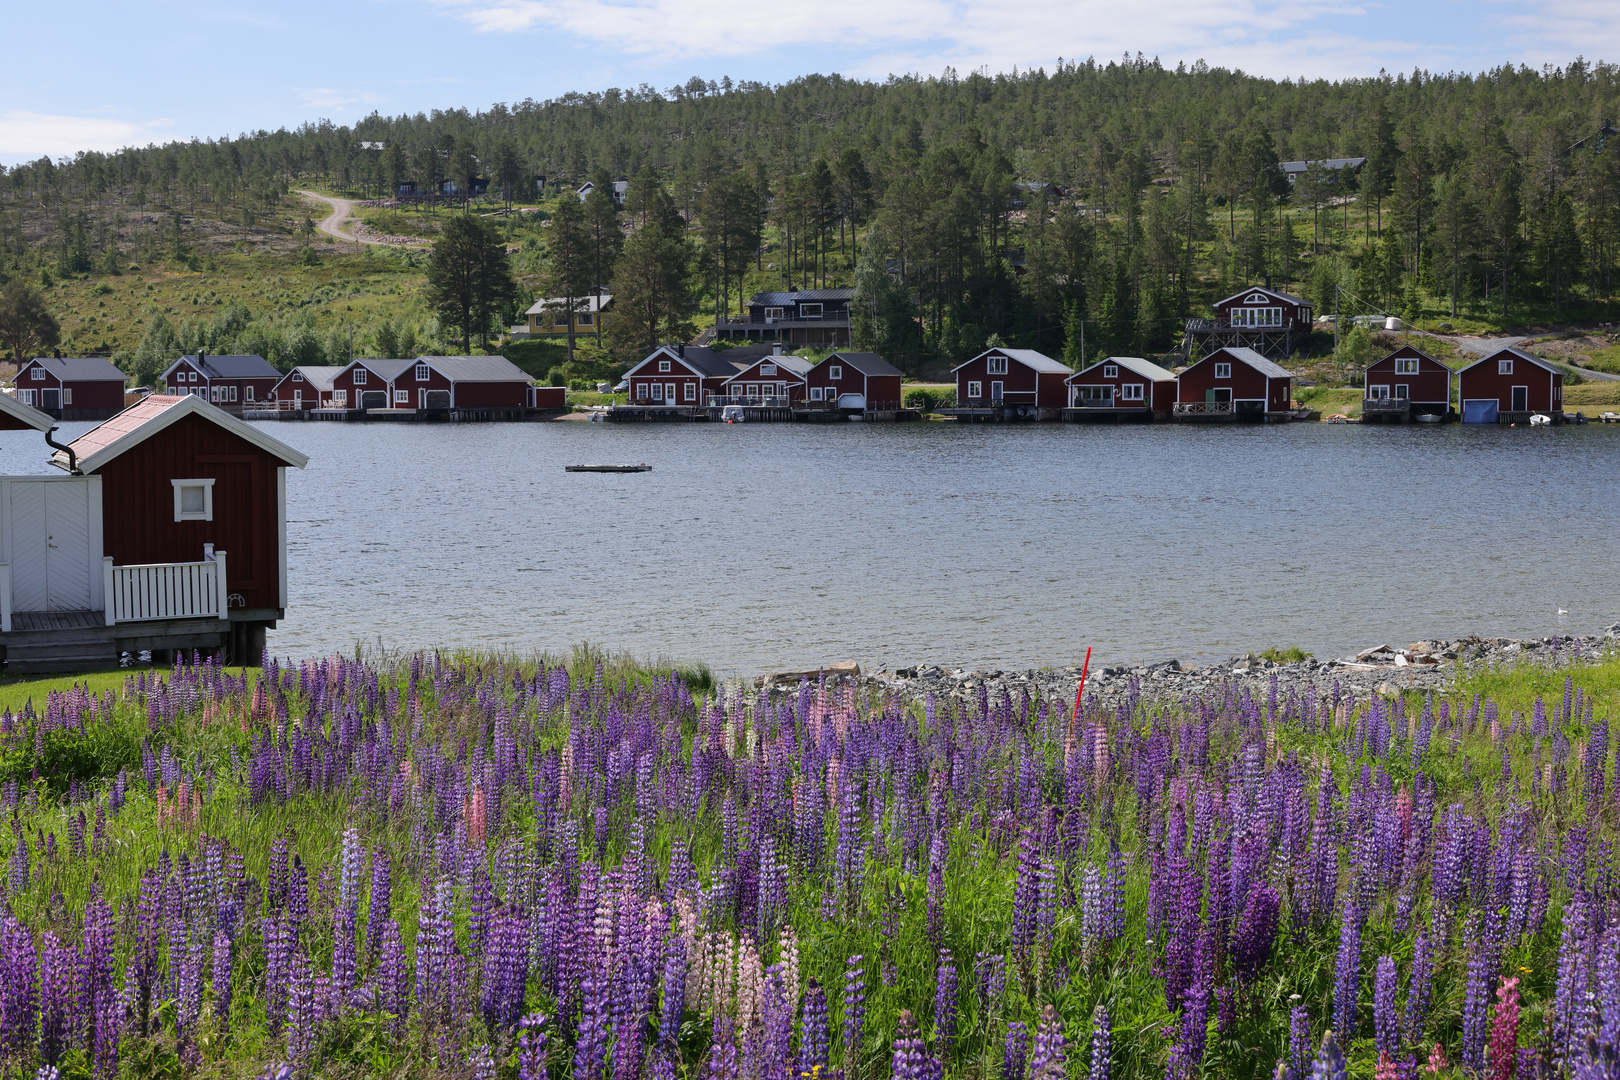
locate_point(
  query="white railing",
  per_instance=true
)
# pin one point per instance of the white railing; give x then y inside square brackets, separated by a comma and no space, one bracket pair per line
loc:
[167,590]
[5,598]
[1203,408]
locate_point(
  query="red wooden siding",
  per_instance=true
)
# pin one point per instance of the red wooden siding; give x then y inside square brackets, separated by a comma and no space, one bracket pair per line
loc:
[105,396]
[492,395]
[1245,382]
[1544,389]
[1157,395]
[645,375]
[1430,386]
[138,523]
[1019,386]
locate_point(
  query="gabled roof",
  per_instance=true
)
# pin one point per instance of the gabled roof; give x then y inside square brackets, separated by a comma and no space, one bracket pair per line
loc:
[113,438]
[797,365]
[1253,359]
[317,376]
[867,363]
[1145,368]
[706,362]
[22,416]
[245,366]
[1520,354]
[493,369]
[1407,352]
[581,304]
[386,370]
[1031,359]
[79,368]
[1292,299]
[1294,168]
[782,299]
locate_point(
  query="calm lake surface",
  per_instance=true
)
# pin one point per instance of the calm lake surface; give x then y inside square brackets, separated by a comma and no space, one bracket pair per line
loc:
[770,547]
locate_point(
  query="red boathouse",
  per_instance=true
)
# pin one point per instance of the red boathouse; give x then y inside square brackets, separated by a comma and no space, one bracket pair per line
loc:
[1010,384]
[231,382]
[1510,386]
[1122,387]
[1405,384]
[1234,384]
[855,380]
[71,387]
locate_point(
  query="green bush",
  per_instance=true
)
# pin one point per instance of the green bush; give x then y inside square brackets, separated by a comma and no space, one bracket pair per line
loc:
[927,399]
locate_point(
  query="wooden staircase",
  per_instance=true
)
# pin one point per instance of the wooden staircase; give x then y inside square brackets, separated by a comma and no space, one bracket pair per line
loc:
[58,641]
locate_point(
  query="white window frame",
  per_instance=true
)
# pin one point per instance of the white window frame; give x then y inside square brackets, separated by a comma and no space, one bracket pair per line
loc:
[773,313]
[1406,366]
[298,376]
[835,372]
[1132,391]
[421,373]
[340,399]
[658,392]
[663,366]
[690,391]
[247,393]
[207,512]
[1403,392]
[975,390]
[67,396]
[641,391]
[995,365]
[1504,367]
[1110,371]
[767,370]
[402,396]
[809,311]
[815,393]
[1379,392]
[26,396]
[38,374]
[1223,370]
[584,319]
[359,376]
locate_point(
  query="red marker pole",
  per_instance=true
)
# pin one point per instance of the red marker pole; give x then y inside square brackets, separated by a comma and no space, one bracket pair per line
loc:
[1082,688]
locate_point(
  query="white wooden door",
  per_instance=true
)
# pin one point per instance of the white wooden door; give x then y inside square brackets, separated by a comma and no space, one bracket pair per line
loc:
[55,523]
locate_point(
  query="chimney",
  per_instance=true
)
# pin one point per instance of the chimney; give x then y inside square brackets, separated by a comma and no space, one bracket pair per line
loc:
[57,353]
[1268,281]
[776,348]
[680,347]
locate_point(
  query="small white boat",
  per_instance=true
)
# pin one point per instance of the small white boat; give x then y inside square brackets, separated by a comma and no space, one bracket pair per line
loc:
[1430,418]
[1540,420]
[1610,418]
[733,414]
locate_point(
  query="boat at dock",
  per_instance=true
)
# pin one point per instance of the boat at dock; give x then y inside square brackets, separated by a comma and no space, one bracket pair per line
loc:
[643,467]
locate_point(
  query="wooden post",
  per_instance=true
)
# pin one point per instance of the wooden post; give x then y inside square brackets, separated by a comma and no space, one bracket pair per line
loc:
[5,598]
[221,589]
[108,590]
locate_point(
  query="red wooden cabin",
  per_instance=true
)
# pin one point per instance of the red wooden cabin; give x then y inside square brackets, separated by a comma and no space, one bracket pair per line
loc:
[71,387]
[777,376]
[1260,318]
[462,383]
[185,484]
[1404,384]
[1012,382]
[374,384]
[231,382]
[305,387]
[16,416]
[855,380]
[1122,386]
[1233,384]
[1510,386]
[684,376]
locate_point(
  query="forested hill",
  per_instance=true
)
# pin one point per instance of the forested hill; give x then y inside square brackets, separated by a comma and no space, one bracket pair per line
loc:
[1022,205]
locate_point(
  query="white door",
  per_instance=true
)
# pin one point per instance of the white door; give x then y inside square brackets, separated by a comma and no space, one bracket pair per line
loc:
[53,527]
[669,393]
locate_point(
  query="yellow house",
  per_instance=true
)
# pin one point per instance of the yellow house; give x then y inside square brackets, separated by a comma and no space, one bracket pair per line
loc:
[549,318]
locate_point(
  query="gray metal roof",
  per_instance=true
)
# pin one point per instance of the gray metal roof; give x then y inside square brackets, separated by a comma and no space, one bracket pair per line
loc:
[1520,353]
[318,376]
[1031,359]
[1291,298]
[1145,368]
[867,363]
[782,299]
[709,363]
[1294,168]
[230,366]
[581,304]
[386,370]
[80,368]
[474,368]
[1254,360]
[798,365]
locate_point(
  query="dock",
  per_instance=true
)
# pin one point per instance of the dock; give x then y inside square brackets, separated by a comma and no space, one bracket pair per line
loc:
[643,467]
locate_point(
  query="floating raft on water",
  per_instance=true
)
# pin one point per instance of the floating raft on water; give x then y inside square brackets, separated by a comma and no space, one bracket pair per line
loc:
[608,468]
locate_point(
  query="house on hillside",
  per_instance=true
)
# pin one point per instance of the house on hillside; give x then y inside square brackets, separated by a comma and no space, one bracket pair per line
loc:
[855,380]
[1234,384]
[1271,323]
[231,382]
[1509,386]
[305,387]
[1338,166]
[796,317]
[71,387]
[549,317]
[1121,388]
[1404,385]
[1010,384]
[620,189]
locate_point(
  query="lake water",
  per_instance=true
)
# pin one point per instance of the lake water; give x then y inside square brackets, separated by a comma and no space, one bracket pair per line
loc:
[764,547]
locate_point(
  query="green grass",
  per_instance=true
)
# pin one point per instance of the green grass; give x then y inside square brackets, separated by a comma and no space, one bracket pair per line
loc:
[1597,396]
[18,690]
[1329,400]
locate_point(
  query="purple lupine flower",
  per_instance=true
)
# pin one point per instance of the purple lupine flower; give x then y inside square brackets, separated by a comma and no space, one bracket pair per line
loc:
[1257,929]
[1299,1042]
[813,1031]
[1026,901]
[909,1061]
[481,1063]
[381,908]
[1015,1051]
[393,981]
[990,978]
[222,979]
[591,1042]
[1101,1035]
[1048,1058]
[674,1003]
[1476,995]
[1347,971]
[532,1049]
[945,1004]
[854,1015]
[58,1003]
[1386,1024]
[1419,991]
[1330,1063]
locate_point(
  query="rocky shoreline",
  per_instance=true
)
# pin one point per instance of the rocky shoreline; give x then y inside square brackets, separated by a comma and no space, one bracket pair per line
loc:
[1382,670]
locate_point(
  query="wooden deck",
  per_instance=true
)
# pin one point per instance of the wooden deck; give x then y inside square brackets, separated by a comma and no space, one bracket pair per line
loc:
[33,622]
[43,642]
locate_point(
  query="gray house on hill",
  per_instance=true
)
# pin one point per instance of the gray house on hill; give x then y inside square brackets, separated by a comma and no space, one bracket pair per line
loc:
[795,317]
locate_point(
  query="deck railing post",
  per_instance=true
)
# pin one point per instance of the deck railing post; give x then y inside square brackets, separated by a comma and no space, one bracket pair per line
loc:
[108,590]
[5,598]
[220,585]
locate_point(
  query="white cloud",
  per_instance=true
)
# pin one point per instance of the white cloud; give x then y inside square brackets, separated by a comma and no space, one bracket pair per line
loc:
[324,97]
[26,136]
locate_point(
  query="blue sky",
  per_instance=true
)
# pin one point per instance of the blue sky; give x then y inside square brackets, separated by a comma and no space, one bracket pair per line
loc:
[95,74]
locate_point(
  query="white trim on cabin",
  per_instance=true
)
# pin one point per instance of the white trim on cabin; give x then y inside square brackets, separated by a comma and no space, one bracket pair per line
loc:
[281,529]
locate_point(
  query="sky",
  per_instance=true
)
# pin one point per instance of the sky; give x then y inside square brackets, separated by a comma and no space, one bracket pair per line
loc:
[102,74]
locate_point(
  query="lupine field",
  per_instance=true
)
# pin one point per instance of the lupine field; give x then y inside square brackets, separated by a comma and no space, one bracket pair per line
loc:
[437,866]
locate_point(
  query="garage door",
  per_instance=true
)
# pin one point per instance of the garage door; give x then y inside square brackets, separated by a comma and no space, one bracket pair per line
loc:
[374,399]
[438,399]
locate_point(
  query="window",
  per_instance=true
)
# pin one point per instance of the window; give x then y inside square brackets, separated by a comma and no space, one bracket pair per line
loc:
[27,396]
[359,376]
[773,313]
[1092,397]
[1377,393]
[213,393]
[584,318]
[1402,392]
[402,397]
[641,391]
[815,393]
[753,389]
[975,390]
[191,375]
[658,391]
[1110,371]
[67,396]
[663,366]
[193,500]
[835,372]
[691,391]
[809,311]
[561,320]
[232,389]
[247,393]
[996,365]
[1131,391]
[421,373]
[1504,367]
[1223,371]
[340,398]
[298,376]
[766,370]
[1406,367]
[38,374]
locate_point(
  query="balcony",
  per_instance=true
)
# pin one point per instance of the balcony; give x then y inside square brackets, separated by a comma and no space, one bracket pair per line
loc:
[138,593]
[1211,326]
[1205,408]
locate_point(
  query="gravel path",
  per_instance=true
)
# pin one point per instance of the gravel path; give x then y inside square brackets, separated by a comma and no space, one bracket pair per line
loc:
[332,224]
